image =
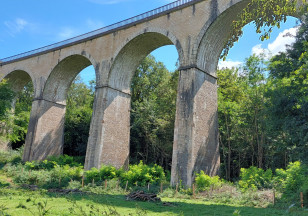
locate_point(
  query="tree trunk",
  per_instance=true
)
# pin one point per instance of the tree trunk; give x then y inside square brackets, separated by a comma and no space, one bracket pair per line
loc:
[229,148]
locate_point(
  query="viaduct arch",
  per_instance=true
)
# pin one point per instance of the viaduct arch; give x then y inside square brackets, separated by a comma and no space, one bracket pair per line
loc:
[198,29]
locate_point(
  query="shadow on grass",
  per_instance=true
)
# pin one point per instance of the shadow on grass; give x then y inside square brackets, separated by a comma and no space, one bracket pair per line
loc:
[179,206]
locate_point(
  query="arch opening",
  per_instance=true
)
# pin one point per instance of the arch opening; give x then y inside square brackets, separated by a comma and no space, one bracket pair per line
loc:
[63,111]
[62,76]
[244,104]
[153,107]
[79,108]
[17,93]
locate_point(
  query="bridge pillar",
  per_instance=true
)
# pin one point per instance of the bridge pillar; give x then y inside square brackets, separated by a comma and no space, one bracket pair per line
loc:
[195,145]
[45,135]
[110,128]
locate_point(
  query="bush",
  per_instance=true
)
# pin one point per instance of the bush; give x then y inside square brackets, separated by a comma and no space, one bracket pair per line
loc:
[67,160]
[292,181]
[104,173]
[205,182]
[60,171]
[11,156]
[255,178]
[38,165]
[53,162]
[295,174]
[55,178]
[141,174]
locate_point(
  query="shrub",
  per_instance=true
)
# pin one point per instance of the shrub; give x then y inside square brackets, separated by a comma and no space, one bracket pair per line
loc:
[4,184]
[204,182]
[295,177]
[74,185]
[11,156]
[53,162]
[292,181]
[141,174]
[92,175]
[38,165]
[104,173]
[67,160]
[255,178]
[169,192]
[109,172]
[55,178]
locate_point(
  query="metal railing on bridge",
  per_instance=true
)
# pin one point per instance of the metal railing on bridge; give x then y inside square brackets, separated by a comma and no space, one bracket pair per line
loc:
[98,32]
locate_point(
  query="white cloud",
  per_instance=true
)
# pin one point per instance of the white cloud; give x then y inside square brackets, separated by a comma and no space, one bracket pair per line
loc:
[108,2]
[278,45]
[67,32]
[258,50]
[94,24]
[228,64]
[284,38]
[16,26]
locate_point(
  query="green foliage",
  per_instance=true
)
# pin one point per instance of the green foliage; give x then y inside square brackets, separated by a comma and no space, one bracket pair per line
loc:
[67,160]
[6,98]
[265,14]
[262,111]
[205,182]
[78,118]
[37,165]
[293,180]
[15,113]
[141,174]
[11,156]
[153,105]
[255,178]
[241,115]
[287,104]
[57,177]
[19,119]
[104,173]
[289,182]
[4,184]
[53,162]
[237,213]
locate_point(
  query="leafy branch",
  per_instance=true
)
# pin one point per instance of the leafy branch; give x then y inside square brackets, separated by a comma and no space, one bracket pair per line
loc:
[265,14]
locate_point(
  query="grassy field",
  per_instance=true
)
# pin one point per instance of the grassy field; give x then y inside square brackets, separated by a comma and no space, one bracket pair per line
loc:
[24,202]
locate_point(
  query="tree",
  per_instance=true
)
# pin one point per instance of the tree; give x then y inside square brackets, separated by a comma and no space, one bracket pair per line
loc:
[20,117]
[15,113]
[78,115]
[288,104]
[241,116]
[153,113]
[6,99]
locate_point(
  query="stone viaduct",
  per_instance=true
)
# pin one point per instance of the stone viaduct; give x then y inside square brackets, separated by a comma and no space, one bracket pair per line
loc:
[197,28]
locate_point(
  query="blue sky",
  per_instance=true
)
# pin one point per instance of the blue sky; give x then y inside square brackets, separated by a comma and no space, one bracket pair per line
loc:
[30,24]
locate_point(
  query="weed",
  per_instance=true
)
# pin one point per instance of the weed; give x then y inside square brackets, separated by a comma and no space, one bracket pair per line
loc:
[3,211]
[76,209]
[20,205]
[140,211]
[236,213]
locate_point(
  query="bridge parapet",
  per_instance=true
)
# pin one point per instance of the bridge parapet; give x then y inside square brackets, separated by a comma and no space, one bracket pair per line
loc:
[103,31]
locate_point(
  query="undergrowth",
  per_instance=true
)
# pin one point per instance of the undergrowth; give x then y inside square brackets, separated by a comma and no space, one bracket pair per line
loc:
[256,187]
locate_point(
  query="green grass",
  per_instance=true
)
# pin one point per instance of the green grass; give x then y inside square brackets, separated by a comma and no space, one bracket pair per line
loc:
[225,200]
[23,202]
